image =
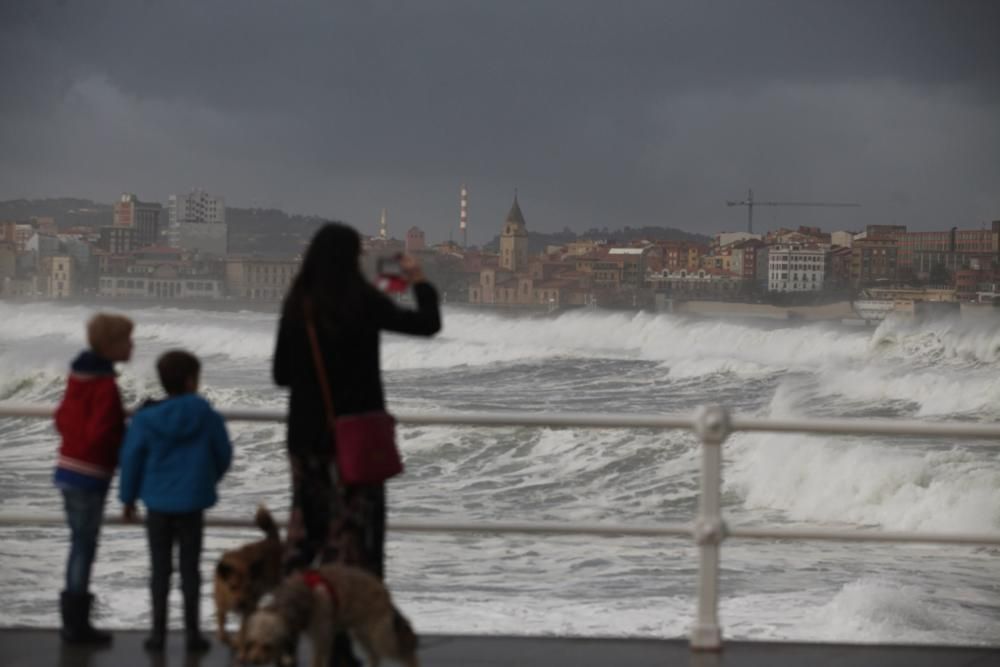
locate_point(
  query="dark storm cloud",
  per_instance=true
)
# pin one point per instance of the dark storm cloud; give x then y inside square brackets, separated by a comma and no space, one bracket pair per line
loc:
[603,113]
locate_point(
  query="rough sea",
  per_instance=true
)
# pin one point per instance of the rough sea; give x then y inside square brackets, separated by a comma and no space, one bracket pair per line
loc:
[581,361]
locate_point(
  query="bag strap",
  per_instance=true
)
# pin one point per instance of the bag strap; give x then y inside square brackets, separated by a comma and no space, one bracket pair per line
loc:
[324,384]
[339,495]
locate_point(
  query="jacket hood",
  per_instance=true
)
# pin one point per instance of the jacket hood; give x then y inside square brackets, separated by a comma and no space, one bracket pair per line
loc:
[89,362]
[178,417]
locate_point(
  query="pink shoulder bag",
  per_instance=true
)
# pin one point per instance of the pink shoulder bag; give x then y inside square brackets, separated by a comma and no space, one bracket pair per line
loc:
[364,445]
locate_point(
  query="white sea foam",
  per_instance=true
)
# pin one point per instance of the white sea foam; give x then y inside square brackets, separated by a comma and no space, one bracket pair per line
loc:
[939,341]
[895,486]
[872,608]
[477,338]
[640,362]
[934,392]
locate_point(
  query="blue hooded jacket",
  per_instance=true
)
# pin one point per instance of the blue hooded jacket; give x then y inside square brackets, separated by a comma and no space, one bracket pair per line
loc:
[174,454]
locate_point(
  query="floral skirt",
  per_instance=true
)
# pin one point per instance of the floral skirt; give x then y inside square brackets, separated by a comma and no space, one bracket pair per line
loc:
[332,523]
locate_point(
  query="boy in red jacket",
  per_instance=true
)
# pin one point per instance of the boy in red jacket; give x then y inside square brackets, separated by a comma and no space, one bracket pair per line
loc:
[91,421]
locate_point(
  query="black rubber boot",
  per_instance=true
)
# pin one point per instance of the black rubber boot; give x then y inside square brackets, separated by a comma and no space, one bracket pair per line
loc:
[157,638]
[196,642]
[76,628]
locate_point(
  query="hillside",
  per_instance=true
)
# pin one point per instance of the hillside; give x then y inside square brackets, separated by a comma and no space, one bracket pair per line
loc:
[269,231]
[252,230]
[67,211]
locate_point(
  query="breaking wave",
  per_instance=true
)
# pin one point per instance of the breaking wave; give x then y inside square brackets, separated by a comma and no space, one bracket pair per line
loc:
[589,360]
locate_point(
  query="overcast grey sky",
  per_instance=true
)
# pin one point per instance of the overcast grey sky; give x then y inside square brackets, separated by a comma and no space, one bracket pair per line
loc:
[600,113]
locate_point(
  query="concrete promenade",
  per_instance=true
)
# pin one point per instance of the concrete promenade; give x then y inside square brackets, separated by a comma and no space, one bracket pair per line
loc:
[42,648]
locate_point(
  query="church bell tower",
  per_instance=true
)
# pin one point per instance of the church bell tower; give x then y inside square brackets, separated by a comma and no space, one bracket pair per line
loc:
[514,241]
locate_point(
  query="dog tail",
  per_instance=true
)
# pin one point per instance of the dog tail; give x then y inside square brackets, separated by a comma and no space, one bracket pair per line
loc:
[406,638]
[265,522]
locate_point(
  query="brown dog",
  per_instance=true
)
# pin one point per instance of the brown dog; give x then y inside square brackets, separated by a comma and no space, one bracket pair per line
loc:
[243,576]
[321,603]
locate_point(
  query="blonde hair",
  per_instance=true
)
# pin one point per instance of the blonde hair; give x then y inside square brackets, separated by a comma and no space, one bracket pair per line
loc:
[104,330]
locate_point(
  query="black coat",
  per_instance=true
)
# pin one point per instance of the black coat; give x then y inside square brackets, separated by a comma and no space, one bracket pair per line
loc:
[351,356]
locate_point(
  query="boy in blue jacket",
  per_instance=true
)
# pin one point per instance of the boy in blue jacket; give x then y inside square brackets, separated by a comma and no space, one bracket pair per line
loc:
[175,452]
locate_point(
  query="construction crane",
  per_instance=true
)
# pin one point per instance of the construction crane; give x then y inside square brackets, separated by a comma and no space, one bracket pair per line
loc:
[750,203]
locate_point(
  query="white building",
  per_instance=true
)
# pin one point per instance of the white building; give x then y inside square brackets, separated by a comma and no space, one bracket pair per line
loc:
[22,232]
[43,245]
[196,207]
[795,268]
[60,277]
[633,262]
[159,287]
[843,239]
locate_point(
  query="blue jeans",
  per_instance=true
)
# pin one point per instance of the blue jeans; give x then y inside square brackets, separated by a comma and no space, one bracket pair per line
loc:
[84,513]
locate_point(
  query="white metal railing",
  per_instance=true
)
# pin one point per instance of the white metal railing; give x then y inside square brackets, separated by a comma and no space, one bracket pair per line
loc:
[711,424]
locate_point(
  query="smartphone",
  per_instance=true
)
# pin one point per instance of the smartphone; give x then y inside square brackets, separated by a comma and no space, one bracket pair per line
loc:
[389,275]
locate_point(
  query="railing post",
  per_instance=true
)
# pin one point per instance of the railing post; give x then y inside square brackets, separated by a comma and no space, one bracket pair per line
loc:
[711,424]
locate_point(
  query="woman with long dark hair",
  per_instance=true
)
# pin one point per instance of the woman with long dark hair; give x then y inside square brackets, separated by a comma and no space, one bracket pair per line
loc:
[330,522]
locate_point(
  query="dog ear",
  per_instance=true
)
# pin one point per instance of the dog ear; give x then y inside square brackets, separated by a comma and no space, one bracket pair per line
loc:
[223,570]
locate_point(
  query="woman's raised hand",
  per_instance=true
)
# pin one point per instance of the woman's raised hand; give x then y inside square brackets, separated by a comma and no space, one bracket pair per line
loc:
[410,267]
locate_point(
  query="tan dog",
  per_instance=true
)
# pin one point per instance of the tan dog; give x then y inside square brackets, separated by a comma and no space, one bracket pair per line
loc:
[243,576]
[322,603]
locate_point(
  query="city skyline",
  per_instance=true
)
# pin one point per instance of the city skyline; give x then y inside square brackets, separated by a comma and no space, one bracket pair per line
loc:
[651,114]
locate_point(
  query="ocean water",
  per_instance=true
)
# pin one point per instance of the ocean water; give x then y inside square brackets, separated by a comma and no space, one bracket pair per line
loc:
[583,361]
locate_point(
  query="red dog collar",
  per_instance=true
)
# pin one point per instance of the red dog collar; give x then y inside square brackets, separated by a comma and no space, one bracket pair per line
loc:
[314,579]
